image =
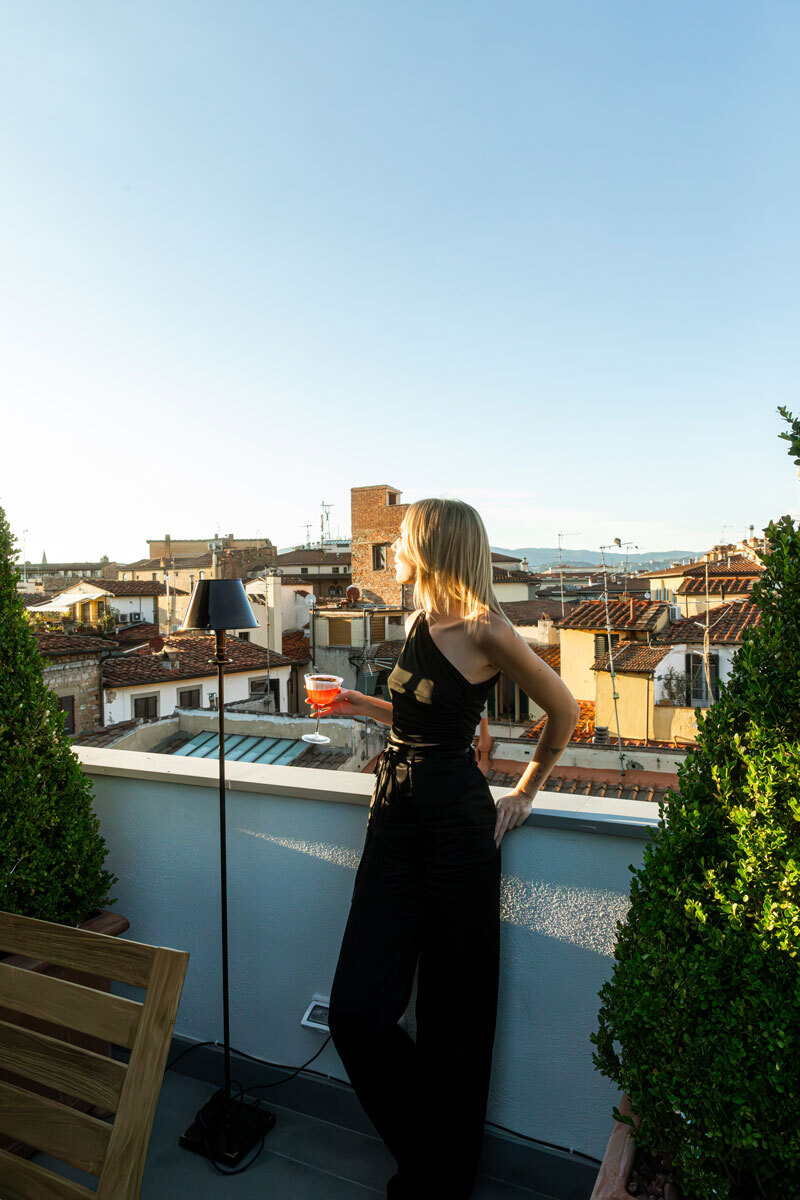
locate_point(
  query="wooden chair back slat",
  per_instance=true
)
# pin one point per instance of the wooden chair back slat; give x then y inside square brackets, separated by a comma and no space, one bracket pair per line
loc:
[43,1020]
[74,1137]
[70,1069]
[79,949]
[22,1180]
[84,1009]
[122,1174]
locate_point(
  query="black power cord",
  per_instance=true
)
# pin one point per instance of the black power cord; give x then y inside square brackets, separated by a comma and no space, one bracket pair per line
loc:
[294,1071]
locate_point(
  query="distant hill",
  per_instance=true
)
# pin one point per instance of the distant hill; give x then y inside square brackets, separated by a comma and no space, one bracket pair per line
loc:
[547,556]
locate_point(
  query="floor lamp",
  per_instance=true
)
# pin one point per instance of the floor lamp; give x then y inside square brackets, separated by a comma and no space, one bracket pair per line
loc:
[224,1129]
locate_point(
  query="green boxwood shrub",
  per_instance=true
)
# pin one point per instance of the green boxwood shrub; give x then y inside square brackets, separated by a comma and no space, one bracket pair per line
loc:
[51,853]
[700,1021]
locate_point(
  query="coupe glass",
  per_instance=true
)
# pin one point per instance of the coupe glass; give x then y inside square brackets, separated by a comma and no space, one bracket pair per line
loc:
[321,689]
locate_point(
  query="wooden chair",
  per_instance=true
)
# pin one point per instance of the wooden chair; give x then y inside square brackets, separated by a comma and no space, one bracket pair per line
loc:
[115,1153]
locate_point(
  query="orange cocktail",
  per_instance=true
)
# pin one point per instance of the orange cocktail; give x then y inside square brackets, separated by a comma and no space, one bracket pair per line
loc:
[321,690]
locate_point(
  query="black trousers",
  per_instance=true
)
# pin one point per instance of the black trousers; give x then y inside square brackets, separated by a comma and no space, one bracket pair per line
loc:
[426,894]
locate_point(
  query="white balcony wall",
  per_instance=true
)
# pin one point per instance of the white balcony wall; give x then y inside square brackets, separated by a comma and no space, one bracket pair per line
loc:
[294,841]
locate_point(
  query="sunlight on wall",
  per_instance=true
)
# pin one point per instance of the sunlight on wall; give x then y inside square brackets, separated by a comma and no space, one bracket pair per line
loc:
[585,917]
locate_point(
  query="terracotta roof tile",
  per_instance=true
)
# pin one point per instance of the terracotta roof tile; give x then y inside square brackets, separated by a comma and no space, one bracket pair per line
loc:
[528,612]
[738,565]
[727,623]
[139,631]
[192,662]
[717,585]
[53,644]
[638,657]
[295,646]
[566,785]
[134,587]
[623,614]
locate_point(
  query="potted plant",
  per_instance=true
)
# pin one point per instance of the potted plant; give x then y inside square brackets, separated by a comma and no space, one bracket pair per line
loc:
[676,688]
[698,1025]
[51,852]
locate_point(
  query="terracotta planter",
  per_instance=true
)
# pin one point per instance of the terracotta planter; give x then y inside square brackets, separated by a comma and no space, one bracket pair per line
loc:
[618,1160]
[107,922]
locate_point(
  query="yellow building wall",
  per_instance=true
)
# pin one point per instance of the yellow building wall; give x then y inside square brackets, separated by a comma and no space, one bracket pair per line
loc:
[577,657]
[634,706]
[674,724]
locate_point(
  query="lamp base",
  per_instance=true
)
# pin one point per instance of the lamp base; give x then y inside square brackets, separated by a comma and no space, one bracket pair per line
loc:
[227,1132]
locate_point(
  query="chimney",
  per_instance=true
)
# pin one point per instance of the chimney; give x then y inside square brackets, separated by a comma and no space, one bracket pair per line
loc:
[272,589]
[633,609]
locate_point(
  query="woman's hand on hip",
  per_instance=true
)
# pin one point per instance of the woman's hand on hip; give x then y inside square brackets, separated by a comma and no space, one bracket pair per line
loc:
[512,811]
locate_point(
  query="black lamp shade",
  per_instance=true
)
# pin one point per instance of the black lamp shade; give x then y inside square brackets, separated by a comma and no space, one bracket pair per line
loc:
[219,604]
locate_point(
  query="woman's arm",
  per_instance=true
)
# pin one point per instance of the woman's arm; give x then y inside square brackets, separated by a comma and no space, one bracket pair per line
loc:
[375,708]
[508,651]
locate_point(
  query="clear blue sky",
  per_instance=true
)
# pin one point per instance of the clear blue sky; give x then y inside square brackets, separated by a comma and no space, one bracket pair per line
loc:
[541,256]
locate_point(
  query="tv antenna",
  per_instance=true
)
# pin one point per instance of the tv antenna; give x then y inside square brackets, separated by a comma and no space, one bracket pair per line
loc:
[326,509]
[573,533]
[614,694]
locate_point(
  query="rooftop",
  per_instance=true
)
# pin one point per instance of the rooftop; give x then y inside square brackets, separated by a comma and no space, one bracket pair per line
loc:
[636,657]
[695,585]
[191,661]
[530,612]
[133,587]
[52,645]
[623,614]
[727,623]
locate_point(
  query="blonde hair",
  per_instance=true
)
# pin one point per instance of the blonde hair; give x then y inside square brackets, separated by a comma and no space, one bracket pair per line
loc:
[447,544]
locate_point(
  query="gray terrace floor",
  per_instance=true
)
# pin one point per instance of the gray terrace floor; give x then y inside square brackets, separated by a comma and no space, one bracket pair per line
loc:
[304,1158]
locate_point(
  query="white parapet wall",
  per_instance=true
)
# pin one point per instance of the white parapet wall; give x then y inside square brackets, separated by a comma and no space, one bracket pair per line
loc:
[295,838]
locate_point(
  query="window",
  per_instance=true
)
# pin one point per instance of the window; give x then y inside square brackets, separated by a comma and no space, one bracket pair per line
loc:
[338,631]
[258,687]
[304,570]
[86,611]
[601,643]
[697,686]
[378,627]
[201,574]
[67,705]
[189,698]
[335,570]
[124,576]
[145,707]
[379,556]
[244,636]
[154,576]
[391,497]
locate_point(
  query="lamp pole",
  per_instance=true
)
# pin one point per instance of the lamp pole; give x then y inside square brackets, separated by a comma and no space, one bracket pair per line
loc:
[223,1130]
[220,660]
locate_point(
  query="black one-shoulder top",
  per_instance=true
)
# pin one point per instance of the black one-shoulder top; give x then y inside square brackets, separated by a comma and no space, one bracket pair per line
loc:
[431,700]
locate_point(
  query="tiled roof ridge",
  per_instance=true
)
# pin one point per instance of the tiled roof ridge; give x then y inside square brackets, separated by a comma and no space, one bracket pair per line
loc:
[591,614]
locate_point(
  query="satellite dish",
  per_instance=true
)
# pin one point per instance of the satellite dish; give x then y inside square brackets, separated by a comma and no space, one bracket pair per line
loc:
[310,600]
[352,593]
[156,644]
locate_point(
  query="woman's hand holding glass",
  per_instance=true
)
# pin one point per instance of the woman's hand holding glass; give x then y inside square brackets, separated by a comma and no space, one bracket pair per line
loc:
[346,704]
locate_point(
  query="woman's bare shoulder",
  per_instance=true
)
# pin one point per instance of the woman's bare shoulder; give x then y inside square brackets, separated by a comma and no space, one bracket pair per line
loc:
[493,630]
[411,618]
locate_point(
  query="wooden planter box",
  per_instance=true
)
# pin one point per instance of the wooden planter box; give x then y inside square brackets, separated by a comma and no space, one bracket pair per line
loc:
[617,1165]
[107,922]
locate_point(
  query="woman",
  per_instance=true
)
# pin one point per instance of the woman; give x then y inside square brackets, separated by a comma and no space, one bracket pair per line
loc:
[427,891]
